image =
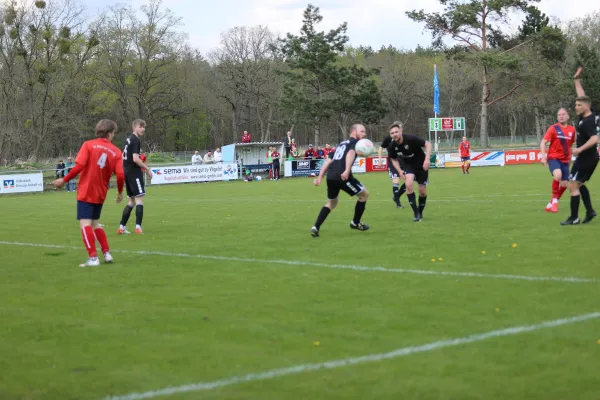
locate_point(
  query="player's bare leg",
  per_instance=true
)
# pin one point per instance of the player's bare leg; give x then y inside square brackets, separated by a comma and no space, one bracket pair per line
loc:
[359,209]
[468,167]
[327,208]
[410,193]
[89,241]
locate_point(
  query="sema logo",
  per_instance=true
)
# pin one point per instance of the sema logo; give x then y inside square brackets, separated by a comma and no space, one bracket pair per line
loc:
[156,172]
[9,184]
[303,164]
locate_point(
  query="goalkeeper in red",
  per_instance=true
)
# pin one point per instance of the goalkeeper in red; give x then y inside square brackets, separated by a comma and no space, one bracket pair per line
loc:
[97,161]
[561,137]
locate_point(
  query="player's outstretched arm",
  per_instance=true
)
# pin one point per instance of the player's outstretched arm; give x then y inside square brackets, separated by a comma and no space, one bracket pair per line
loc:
[592,142]
[350,156]
[578,86]
[396,165]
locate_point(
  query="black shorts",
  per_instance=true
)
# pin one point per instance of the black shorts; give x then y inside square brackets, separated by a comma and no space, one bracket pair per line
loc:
[392,171]
[134,183]
[421,176]
[88,210]
[582,170]
[463,159]
[352,186]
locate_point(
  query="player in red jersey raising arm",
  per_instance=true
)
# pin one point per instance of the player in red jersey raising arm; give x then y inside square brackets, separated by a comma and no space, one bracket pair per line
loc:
[561,137]
[465,154]
[97,160]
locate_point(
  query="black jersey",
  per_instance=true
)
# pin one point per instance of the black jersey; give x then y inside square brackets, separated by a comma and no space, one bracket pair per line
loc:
[410,151]
[587,128]
[132,145]
[386,142]
[338,165]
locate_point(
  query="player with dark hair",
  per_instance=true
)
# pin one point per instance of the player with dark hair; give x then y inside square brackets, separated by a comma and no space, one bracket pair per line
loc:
[561,137]
[409,149]
[97,161]
[393,173]
[465,155]
[338,167]
[586,152]
[134,178]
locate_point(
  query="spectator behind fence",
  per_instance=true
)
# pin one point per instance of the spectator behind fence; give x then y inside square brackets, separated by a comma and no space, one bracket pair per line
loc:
[310,152]
[246,137]
[287,143]
[60,169]
[328,150]
[71,184]
[196,158]
[209,158]
[218,156]
[320,153]
[295,154]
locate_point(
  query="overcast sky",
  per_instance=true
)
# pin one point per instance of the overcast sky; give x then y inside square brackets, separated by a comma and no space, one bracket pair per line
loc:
[372,23]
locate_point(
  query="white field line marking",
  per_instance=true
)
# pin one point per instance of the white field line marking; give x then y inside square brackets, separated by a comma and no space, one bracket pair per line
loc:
[401,352]
[569,279]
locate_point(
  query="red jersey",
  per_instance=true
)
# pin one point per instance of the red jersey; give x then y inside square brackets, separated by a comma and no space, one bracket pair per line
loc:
[275,154]
[97,160]
[310,153]
[465,149]
[561,140]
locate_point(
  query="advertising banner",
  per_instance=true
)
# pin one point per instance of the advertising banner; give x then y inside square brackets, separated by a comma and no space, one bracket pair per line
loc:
[303,167]
[21,183]
[360,165]
[515,157]
[478,159]
[373,164]
[194,173]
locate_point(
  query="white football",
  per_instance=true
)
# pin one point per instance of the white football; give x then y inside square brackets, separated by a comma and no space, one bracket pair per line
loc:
[364,147]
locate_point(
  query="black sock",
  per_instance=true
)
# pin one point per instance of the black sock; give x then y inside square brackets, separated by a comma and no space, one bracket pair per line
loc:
[422,202]
[402,190]
[126,214]
[139,214]
[575,206]
[359,209]
[413,202]
[396,192]
[587,201]
[322,216]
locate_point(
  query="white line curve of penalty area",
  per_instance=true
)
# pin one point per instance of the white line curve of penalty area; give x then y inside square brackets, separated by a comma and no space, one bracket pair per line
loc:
[570,279]
[401,352]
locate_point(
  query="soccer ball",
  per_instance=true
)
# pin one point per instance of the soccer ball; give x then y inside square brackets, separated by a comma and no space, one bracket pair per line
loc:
[364,147]
[258,178]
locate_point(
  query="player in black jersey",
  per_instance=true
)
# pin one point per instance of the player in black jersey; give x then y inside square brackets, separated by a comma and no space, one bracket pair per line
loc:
[393,173]
[338,167]
[134,178]
[586,152]
[415,166]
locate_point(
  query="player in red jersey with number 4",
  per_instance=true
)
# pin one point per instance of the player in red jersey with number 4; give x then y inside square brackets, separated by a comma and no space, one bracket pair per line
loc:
[465,154]
[561,137]
[97,160]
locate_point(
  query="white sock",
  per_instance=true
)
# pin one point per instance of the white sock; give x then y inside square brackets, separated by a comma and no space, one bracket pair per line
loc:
[138,226]
[554,201]
[122,227]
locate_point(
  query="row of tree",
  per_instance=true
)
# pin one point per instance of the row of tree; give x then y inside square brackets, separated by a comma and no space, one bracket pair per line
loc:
[60,72]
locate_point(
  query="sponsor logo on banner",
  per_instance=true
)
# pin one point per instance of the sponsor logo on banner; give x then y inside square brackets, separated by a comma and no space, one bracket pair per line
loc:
[373,164]
[359,166]
[305,167]
[194,173]
[22,183]
[515,157]
[478,159]
[303,164]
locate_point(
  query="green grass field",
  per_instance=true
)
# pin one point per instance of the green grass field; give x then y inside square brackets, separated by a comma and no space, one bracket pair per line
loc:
[227,282]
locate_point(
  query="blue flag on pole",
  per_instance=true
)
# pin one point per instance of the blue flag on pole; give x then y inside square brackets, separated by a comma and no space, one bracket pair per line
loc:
[436,91]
